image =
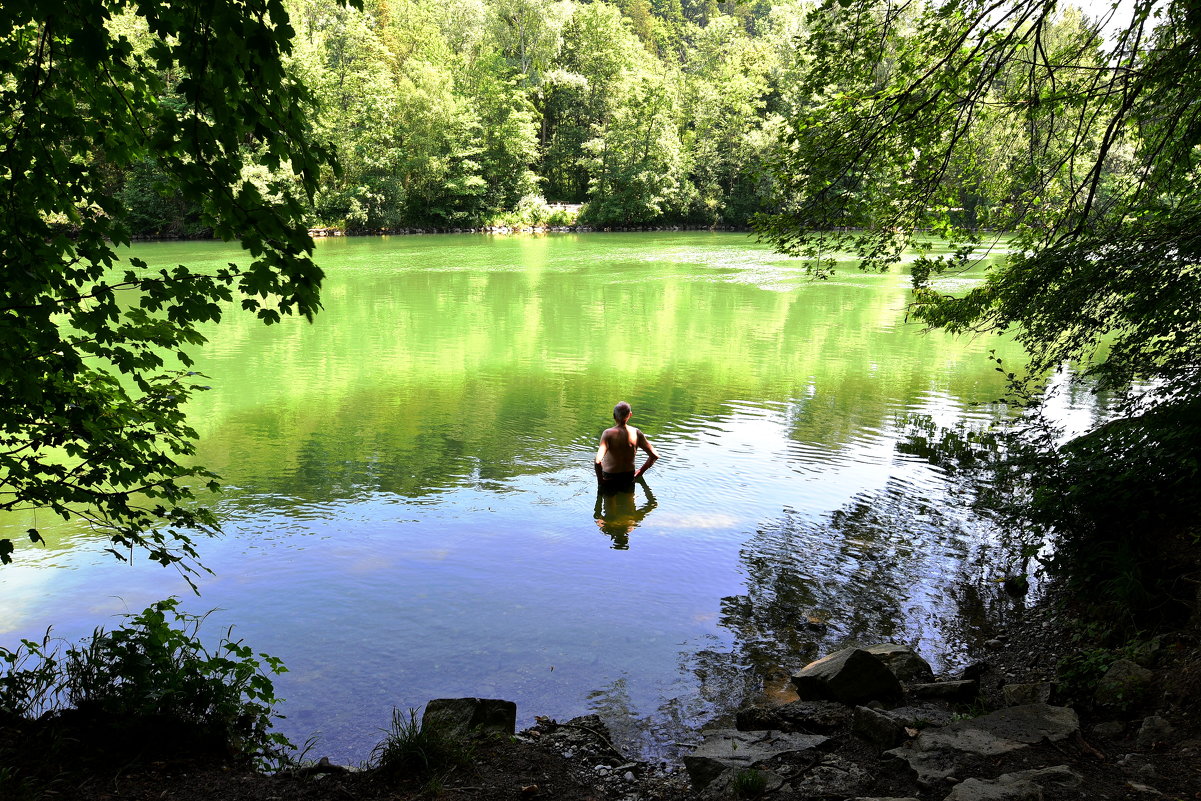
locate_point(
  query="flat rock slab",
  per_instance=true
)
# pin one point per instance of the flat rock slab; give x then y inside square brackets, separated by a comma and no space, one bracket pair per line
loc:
[1026,785]
[460,717]
[851,676]
[962,690]
[1027,693]
[833,777]
[937,753]
[729,748]
[922,715]
[732,782]
[807,717]
[1060,776]
[995,790]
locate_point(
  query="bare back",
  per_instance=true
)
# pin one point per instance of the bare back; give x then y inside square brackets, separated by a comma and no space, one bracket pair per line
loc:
[620,446]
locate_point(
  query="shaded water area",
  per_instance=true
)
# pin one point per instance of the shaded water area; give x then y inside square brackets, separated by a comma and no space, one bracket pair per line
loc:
[411,513]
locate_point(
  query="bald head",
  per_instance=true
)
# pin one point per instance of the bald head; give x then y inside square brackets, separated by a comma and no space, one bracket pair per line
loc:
[621,412]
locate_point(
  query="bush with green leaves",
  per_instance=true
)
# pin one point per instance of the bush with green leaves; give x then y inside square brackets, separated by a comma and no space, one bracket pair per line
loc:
[532,210]
[154,666]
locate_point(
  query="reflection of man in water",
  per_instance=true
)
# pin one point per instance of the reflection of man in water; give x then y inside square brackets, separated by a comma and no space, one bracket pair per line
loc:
[615,457]
[617,514]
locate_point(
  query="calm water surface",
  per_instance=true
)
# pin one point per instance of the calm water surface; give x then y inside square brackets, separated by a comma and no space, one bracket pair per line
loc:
[410,509]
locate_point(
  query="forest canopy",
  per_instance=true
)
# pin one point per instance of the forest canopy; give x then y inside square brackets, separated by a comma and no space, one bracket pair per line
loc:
[469,112]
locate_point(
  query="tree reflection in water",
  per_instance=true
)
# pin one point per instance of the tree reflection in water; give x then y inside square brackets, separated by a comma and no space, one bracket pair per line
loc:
[891,565]
[884,567]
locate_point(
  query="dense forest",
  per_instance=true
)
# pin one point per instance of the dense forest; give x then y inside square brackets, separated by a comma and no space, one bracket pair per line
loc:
[458,113]
[470,112]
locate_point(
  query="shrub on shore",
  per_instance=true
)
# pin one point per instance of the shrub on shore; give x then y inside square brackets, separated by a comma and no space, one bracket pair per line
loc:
[149,689]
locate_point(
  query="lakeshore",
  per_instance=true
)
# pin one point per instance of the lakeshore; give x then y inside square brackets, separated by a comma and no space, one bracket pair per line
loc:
[1008,727]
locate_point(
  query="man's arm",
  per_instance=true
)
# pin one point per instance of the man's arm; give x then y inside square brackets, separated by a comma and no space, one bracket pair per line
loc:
[651,456]
[600,455]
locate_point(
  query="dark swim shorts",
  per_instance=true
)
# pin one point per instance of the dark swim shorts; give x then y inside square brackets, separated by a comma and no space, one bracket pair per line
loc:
[617,482]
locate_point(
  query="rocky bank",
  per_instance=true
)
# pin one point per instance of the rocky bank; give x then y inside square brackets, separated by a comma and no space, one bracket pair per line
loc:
[865,723]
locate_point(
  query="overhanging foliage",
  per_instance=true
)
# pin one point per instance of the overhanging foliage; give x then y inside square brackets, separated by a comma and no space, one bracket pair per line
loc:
[93,376]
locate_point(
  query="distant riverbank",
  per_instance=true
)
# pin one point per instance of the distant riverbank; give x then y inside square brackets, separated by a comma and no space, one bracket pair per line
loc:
[522,229]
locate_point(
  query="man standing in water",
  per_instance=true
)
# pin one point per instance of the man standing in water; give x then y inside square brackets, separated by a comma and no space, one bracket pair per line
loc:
[615,457]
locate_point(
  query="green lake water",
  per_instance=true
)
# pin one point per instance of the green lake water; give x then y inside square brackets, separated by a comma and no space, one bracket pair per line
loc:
[410,510]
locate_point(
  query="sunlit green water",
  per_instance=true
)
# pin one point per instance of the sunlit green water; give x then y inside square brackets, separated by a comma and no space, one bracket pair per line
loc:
[411,511]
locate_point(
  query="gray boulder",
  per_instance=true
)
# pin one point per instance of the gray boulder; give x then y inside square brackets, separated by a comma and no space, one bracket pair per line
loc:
[1149,652]
[1124,684]
[938,753]
[723,749]
[461,717]
[903,661]
[1028,693]
[852,676]
[1138,766]
[1154,731]
[1109,730]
